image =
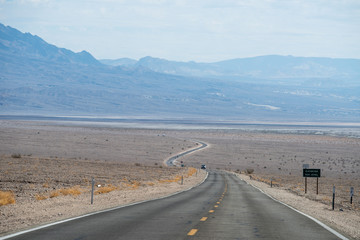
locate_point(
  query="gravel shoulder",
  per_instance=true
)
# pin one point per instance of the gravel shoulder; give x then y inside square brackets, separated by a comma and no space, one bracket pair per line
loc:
[346,222]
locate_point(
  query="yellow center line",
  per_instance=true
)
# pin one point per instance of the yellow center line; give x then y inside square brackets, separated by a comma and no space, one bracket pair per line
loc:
[192,232]
[211,211]
[216,205]
[203,219]
[218,202]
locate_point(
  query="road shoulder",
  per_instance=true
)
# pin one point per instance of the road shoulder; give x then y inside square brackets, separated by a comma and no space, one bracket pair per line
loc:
[37,213]
[344,222]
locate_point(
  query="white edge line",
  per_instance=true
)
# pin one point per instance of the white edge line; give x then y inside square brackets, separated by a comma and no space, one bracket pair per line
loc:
[308,216]
[97,212]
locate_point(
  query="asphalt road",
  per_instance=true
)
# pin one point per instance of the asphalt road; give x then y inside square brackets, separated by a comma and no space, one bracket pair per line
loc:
[172,161]
[223,207]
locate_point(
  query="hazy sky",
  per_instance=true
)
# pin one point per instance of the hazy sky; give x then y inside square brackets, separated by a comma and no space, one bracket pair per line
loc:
[199,30]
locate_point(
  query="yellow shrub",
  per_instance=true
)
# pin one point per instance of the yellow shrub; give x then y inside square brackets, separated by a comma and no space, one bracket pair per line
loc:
[40,197]
[6,198]
[191,171]
[106,189]
[54,194]
[75,191]
[135,184]
[177,178]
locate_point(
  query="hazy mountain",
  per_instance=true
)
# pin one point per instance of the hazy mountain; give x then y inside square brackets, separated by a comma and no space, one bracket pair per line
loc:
[262,67]
[40,78]
[125,62]
[290,67]
[26,45]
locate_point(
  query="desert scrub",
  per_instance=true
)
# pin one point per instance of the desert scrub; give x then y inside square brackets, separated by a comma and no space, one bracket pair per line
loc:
[132,184]
[74,191]
[16,155]
[106,189]
[249,170]
[150,184]
[177,178]
[6,198]
[135,184]
[40,197]
[191,171]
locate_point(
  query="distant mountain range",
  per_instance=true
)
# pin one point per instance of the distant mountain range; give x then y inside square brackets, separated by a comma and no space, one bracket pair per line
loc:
[15,43]
[263,67]
[39,78]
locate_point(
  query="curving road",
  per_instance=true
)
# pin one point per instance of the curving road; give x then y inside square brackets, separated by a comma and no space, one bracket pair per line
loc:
[223,207]
[172,161]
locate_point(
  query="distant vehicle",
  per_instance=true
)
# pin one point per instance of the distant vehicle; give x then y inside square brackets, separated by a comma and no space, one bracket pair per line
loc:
[203,166]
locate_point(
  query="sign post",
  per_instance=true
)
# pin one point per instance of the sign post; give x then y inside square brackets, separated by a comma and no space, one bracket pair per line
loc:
[305,166]
[311,172]
[317,186]
[333,200]
[351,194]
[92,190]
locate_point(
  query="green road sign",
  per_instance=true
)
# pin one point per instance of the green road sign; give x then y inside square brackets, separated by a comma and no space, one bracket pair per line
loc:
[311,172]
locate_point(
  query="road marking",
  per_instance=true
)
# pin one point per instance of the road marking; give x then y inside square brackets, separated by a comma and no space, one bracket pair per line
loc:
[211,211]
[216,205]
[192,232]
[203,219]
[218,202]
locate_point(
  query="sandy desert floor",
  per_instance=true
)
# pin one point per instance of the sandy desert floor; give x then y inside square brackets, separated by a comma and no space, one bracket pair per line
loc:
[55,157]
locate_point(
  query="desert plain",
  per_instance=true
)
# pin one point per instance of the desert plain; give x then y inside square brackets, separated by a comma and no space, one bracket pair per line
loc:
[48,168]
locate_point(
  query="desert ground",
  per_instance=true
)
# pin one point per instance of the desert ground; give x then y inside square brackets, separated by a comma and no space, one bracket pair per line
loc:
[48,167]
